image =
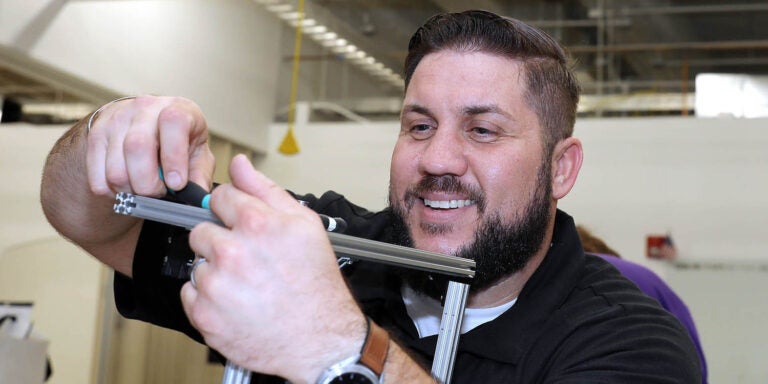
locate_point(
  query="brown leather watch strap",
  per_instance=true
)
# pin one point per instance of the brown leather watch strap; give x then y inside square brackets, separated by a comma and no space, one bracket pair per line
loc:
[374,352]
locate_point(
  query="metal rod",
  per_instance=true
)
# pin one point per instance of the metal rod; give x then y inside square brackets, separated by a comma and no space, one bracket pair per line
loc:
[344,245]
[450,329]
[180,215]
[234,374]
[688,9]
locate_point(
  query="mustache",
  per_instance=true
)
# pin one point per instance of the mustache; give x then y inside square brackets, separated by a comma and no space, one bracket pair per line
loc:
[446,184]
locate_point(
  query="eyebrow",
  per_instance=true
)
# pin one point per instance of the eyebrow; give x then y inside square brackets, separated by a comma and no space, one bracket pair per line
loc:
[420,109]
[487,108]
[471,110]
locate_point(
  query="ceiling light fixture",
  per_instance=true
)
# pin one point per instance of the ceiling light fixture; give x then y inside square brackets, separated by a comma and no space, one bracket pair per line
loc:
[329,39]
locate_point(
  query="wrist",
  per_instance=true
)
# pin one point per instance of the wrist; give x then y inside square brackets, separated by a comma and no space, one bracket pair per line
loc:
[367,366]
[336,345]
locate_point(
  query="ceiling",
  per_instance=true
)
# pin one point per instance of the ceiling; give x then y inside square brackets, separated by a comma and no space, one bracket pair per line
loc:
[629,44]
[620,47]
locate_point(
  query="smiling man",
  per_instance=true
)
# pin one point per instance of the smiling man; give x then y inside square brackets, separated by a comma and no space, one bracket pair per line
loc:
[484,153]
[471,174]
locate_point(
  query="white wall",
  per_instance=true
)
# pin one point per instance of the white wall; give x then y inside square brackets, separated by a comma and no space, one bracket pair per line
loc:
[37,265]
[349,158]
[704,180]
[701,179]
[222,54]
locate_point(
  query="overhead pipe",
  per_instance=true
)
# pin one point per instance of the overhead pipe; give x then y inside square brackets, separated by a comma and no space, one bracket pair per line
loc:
[677,46]
[688,9]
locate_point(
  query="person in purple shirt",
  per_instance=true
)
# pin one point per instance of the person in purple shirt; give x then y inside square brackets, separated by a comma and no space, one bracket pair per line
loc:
[648,282]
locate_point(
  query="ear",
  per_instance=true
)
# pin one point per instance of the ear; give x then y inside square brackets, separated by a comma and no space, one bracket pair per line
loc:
[566,162]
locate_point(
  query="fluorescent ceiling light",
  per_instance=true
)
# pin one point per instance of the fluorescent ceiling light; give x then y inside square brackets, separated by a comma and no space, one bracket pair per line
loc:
[315,30]
[329,39]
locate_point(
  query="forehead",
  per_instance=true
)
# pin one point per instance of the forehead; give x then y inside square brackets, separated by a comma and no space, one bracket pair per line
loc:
[450,77]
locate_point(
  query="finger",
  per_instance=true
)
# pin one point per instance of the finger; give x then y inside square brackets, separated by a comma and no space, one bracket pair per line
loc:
[140,150]
[237,209]
[189,300]
[96,163]
[204,238]
[115,173]
[182,131]
[253,182]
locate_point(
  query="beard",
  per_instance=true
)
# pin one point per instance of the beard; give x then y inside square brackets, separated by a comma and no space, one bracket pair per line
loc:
[499,248]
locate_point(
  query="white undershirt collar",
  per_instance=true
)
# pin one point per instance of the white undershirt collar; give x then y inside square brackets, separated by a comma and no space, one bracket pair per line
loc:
[426,313]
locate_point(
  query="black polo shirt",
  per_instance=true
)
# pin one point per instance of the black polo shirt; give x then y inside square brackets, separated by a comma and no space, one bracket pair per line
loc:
[577,320]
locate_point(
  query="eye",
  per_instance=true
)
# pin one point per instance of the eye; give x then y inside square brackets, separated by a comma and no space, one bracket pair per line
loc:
[422,131]
[483,134]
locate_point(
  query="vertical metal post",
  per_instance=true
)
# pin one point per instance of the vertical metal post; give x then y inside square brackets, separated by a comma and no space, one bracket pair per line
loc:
[450,329]
[235,375]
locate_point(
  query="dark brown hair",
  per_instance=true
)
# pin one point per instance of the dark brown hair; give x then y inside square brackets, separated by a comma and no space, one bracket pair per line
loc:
[551,87]
[594,244]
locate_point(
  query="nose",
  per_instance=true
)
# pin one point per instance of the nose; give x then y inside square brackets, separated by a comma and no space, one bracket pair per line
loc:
[444,154]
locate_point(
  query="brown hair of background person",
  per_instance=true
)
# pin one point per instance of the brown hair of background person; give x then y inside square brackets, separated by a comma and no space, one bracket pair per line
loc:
[592,243]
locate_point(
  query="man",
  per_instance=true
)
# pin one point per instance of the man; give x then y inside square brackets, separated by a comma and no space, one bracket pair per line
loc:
[484,153]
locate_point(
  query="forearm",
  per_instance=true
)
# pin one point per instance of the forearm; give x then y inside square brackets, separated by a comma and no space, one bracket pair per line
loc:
[79,214]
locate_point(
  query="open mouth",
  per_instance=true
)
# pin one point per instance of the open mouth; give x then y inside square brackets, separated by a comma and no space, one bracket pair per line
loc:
[448,204]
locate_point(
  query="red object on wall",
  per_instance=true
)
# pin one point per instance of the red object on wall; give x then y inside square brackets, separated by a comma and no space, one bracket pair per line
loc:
[660,247]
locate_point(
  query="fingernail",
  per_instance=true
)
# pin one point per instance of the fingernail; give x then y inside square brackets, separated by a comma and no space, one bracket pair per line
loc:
[173,180]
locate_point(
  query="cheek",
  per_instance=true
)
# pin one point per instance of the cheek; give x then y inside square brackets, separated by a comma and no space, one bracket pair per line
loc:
[506,183]
[402,167]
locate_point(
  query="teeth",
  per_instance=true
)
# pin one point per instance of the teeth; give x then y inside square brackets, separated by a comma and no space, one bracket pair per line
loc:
[447,204]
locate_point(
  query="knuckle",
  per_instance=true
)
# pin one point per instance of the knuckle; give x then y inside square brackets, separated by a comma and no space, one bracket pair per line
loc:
[176,116]
[180,100]
[116,178]
[225,251]
[252,221]
[143,101]
[201,317]
[100,190]
[136,142]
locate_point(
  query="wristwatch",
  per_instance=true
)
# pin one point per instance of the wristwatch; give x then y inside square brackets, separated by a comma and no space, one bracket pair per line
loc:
[365,368]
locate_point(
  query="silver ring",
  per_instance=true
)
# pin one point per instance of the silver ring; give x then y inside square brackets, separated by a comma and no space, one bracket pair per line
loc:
[198,261]
[95,113]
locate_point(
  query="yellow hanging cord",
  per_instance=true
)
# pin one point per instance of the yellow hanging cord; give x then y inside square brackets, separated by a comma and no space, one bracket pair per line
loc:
[289,146]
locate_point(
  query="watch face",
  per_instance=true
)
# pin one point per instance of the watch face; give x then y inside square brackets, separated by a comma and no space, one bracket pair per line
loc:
[352,378]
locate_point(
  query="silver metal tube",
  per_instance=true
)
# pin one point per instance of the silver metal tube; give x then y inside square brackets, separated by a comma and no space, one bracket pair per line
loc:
[234,374]
[363,249]
[180,215]
[450,330]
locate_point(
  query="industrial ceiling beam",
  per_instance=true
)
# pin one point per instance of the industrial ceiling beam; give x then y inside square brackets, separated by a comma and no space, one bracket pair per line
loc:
[690,9]
[57,79]
[678,46]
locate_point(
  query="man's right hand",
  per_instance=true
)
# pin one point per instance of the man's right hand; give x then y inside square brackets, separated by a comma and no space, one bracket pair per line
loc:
[129,141]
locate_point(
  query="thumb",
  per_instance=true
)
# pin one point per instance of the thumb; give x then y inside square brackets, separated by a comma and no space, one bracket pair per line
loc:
[247,179]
